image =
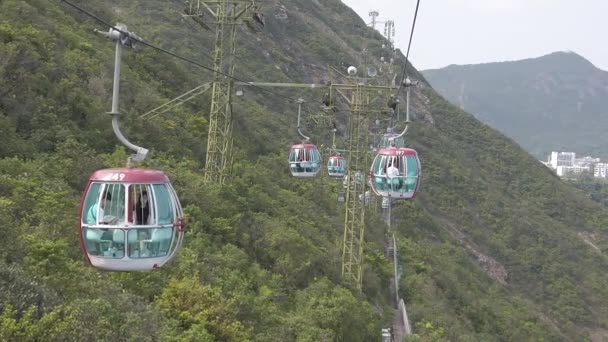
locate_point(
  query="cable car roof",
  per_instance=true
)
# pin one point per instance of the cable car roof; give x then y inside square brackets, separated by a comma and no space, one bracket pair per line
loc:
[130,175]
[401,151]
[336,157]
[304,146]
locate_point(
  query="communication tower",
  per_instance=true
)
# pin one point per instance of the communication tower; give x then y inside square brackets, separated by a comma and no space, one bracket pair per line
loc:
[389,31]
[374,14]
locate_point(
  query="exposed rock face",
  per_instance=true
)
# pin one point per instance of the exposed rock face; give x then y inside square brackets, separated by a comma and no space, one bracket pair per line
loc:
[489,265]
[589,239]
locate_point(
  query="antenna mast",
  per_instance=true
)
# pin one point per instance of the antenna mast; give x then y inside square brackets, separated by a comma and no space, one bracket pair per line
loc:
[374,14]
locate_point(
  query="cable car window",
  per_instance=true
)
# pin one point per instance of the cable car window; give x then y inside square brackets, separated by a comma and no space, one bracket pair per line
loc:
[142,202]
[412,166]
[104,204]
[140,243]
[397,163]
[113,209]
[174,194]
[412,173]
[164,205]
[92,198]
[108,243]
[392,167]
[401,165]
[379,166]
[379,172]
[316,155]
[293,156]
[161,238]
[149,242]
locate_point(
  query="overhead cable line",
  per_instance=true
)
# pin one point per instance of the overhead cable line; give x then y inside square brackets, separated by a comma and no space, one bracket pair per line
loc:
[141,41]
[409,45]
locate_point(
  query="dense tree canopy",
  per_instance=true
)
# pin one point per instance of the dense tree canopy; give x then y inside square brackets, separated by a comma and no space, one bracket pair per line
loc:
[262,255]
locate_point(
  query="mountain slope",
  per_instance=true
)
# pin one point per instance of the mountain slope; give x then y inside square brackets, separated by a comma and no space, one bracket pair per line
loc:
[554,102]
[262,256]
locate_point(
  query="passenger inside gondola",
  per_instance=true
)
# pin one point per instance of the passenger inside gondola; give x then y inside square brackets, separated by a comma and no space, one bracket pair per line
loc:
[98,210]
[115,211]
[104,205]
[392,173]
[299,159]
[142,209]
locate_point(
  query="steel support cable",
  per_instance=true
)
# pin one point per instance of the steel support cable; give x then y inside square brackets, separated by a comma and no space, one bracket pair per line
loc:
[407,54]
[141,41]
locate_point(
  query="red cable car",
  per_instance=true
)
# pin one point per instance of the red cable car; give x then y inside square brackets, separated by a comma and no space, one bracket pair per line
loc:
[336,166]
[395,173]
[304,160]
[130,220]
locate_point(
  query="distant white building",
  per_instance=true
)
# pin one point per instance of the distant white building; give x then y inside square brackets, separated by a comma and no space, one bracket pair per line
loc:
[566,164]
[563,170]
[600,170]
[562,159]
[586,160]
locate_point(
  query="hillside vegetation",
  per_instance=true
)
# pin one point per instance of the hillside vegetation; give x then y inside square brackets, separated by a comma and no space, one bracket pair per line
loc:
[491,250]
[555,102]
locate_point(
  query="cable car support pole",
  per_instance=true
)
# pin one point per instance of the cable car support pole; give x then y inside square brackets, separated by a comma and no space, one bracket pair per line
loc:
[334,148]
[408,84]
[128,39]
[300,101]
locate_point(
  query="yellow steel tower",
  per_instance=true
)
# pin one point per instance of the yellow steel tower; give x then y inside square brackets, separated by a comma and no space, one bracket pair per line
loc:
[364,100]
[226,15]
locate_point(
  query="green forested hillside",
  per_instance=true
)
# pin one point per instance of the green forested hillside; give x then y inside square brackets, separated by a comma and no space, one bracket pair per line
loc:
[493,248]
[555,102]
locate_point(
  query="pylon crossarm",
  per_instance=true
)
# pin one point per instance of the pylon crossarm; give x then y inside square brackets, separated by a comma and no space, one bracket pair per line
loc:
[185,97]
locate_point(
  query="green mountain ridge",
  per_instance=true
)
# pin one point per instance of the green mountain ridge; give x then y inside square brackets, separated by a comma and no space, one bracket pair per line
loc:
[493,248]
[555,102]
[552,62]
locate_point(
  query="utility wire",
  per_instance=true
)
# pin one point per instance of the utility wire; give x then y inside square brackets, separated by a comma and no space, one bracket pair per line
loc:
[409,45]
[80,9]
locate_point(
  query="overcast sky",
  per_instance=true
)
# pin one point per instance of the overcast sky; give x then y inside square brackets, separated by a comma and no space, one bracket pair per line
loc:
[478,31]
